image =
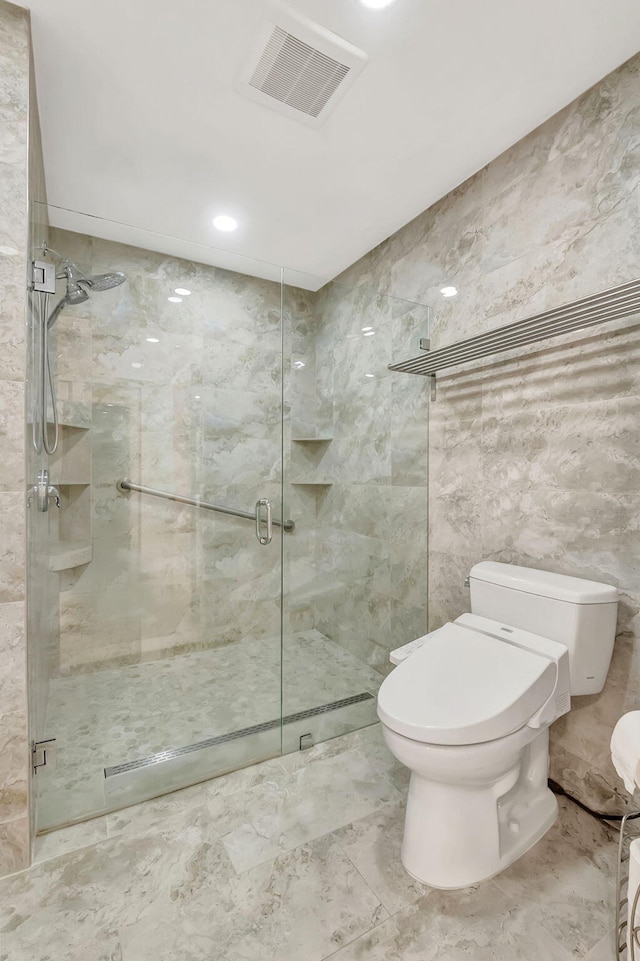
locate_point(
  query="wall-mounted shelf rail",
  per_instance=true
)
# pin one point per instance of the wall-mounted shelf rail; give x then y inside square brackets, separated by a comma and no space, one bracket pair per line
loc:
[612,304]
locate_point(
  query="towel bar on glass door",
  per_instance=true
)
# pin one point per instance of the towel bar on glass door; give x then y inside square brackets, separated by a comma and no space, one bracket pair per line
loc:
[125,486]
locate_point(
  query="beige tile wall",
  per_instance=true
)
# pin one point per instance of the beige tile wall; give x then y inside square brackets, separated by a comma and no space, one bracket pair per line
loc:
[14,114]
[537,460]
[197,410]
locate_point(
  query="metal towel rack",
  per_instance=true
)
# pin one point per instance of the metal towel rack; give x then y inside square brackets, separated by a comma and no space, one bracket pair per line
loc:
[124,486]
[627,945]
[612,304]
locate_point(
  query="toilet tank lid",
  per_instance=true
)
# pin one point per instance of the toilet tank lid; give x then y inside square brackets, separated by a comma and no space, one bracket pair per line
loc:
[575,590]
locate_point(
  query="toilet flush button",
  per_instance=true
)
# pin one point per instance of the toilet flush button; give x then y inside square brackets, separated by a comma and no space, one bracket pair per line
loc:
[513,825]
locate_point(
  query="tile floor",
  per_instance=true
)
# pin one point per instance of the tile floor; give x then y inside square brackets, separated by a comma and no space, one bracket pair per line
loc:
[297,859]
[123,714]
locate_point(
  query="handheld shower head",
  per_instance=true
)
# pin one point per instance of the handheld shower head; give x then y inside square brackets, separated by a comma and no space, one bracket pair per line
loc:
[79,286]
[75,294]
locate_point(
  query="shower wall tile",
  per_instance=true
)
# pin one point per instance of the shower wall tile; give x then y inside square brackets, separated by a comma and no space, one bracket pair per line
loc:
[186,398]
[12,283]
[11,434]
[14,200]
[13,681]
[409,432]
[376,466]
[533,457]
[14,752]
[14,845]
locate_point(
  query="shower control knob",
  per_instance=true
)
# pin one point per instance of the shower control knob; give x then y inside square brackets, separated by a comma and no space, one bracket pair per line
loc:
[42,490]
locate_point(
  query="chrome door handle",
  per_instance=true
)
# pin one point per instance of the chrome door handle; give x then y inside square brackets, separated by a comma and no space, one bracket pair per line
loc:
[264,538]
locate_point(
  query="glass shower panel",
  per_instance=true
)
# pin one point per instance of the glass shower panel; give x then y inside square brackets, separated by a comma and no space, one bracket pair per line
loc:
[356,479]
[167,665]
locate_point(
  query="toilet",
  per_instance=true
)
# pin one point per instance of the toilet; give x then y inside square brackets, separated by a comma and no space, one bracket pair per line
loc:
[468,708]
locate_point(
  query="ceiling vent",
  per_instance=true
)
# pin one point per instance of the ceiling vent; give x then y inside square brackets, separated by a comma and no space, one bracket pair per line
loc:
[298,68]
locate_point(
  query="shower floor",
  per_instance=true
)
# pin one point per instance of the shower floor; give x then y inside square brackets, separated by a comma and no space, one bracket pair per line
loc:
[123,716]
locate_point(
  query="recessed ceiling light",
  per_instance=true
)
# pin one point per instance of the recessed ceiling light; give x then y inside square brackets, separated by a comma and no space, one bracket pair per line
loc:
[136,365]
[448,291]
[366,328]
[223,222]
[175,300]
[183,291]
[369,375]
[369,333]
[152,340]
[197,396]
[376,4]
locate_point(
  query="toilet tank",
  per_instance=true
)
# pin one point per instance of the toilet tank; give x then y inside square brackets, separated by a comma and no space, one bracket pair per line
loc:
[579,614]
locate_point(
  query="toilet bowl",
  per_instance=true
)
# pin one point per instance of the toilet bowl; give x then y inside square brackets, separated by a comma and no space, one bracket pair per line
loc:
[468,710]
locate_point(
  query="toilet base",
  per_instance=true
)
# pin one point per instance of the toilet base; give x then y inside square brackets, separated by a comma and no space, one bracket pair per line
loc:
[501,865]
[460,832]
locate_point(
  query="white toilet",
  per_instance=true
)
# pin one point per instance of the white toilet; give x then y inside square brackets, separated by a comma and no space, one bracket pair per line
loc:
[468,710]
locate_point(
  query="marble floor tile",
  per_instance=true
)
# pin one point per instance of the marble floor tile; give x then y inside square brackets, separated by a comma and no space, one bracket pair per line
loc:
[318,798]
[604,950]
[220,796]
[73,838]
[373,844]
[163,885]
[477,924]
[302,905]
[63,904]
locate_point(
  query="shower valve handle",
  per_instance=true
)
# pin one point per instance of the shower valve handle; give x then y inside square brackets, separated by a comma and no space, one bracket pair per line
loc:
[42,490]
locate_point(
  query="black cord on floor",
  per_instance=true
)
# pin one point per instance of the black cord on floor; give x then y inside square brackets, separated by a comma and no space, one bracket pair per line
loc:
[558,789]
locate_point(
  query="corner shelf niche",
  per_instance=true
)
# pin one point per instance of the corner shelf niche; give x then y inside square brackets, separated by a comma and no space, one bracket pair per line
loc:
[311,483]
[312,440]
[66,555]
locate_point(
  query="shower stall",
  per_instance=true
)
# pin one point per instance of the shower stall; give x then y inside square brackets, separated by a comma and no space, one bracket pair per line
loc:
[236,535]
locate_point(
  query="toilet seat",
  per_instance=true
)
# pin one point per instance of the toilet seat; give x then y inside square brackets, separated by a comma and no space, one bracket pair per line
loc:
[464,687]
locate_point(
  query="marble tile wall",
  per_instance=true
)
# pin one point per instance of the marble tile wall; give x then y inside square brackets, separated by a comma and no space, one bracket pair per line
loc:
[534,460]
[370,472]
[14,198]
[202,413]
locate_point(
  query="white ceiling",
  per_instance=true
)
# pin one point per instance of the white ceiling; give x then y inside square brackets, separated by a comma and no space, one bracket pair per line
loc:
[142,126]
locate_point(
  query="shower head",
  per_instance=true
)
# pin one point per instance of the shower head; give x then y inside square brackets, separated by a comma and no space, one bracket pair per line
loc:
[105,281]
[75,294]
[76,277]
[79,285]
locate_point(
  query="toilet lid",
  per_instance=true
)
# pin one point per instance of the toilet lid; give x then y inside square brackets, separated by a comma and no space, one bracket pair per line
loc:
[463,687]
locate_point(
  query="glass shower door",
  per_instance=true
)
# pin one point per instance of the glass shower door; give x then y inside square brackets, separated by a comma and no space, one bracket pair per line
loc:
[166,666]
[356,476]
